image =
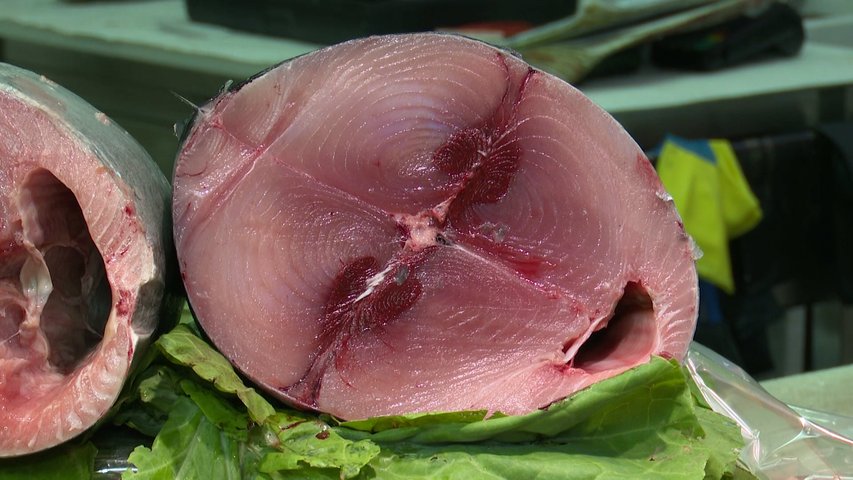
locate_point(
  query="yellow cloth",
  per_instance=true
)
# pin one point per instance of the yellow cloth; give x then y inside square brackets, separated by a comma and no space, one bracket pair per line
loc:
[713,198]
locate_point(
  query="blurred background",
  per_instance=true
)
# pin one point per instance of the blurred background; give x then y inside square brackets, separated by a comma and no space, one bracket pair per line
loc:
[744,106]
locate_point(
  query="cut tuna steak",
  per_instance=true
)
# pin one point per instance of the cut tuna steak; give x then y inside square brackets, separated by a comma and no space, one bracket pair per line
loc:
[425,223]
[83,242]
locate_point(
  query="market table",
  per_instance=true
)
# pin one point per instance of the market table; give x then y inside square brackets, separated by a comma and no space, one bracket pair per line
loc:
[828,390]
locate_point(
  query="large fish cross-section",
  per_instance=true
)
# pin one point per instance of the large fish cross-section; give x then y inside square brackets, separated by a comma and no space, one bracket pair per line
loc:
[424,222]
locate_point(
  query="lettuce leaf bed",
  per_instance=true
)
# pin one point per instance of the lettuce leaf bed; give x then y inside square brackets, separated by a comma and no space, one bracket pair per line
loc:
[206,423]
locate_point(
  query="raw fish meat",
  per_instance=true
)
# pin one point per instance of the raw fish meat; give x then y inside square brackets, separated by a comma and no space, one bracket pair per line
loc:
[424,222]
[84,236]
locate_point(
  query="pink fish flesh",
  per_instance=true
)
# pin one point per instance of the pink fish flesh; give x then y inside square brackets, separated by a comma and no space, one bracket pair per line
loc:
[424,222]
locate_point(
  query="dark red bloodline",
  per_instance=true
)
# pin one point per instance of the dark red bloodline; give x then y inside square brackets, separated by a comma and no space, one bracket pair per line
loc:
[481,163]
[349,313]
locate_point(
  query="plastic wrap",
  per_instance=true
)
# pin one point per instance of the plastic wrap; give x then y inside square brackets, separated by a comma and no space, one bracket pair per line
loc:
[781,442]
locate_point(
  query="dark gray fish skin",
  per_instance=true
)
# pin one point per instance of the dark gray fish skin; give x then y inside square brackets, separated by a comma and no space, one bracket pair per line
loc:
[144,289]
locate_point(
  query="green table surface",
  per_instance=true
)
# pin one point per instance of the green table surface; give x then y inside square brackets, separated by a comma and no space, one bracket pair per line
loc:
[829,390]
[160,32]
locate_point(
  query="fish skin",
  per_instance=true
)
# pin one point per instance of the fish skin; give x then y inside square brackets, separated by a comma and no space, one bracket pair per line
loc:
[124,199]
[222,173]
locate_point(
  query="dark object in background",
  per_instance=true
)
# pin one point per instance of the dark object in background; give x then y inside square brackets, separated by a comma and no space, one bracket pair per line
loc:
[332,21]
[782,262]
[834,143]
[620,63]
[779,30]
[788,253]
[800,252]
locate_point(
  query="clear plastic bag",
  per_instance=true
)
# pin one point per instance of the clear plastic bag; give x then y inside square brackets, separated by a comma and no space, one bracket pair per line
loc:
[781,442]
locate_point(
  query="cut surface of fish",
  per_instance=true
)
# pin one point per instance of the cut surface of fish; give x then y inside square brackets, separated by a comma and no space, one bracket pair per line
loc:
[83,242]
[423,222]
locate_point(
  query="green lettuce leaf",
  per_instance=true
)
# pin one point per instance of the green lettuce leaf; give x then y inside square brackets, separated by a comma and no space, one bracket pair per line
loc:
[155,390]
[185,348]
[72,460]
[188,447]
[206,436]
[208,433]
[638,401]
[417,420]
[644,423]
[314,443]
